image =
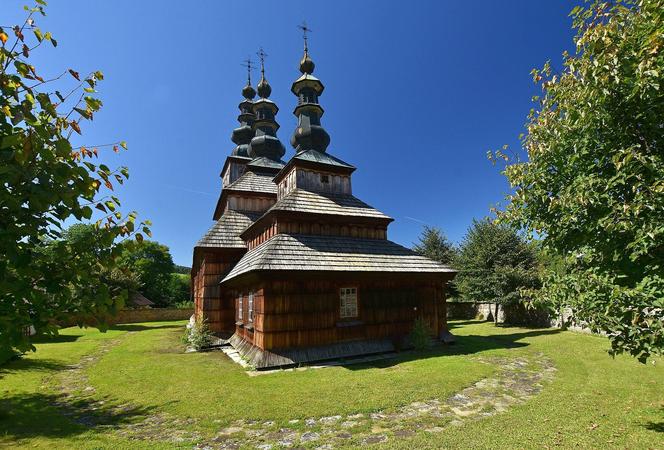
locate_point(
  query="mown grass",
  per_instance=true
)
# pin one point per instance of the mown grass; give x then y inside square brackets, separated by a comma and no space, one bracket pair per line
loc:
[594,401]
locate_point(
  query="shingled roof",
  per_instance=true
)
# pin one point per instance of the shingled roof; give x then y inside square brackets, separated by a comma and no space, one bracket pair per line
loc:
[226,231]
[333,253]
[325,203]
[254,182]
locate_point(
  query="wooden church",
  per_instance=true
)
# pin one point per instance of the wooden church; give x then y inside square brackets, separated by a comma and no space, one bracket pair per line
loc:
[296,269]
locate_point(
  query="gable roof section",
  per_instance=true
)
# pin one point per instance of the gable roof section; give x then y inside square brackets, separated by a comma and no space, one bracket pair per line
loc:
[249,182]
[255,182]
[309,202]
[333,253]
[315,160]
[226,231]
[301,200]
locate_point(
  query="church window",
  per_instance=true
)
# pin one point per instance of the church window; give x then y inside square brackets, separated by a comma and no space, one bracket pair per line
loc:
[325,179]
[348,302]
[240,302]
[250,307]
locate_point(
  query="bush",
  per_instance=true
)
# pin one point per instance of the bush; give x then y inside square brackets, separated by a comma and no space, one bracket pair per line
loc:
[179,288]
[184,305]
[420,337]
[198,336]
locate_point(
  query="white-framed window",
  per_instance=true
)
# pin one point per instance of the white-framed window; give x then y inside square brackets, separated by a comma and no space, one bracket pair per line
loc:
[347,302]
[240,304]
[250,307]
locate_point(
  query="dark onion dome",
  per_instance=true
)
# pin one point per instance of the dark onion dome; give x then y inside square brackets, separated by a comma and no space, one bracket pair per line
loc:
[248,92]
[243,134]
[264,88]
[306,63]
[309,134]
[265,143]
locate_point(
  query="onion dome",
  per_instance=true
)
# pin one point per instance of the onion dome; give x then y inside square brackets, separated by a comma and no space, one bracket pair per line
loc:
[264,88]
[243,134]
[265,142]
[309,134]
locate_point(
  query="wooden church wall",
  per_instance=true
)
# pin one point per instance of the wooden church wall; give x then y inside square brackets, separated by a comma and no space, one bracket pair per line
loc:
[301,314]
[314,181]
[210,299]
[249,203]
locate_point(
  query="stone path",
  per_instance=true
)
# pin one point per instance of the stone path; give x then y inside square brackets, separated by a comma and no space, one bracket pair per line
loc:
[516,380]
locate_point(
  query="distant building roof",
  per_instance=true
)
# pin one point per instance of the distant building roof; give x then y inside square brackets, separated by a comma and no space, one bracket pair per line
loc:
[226,231]
[138,299]
[333,253]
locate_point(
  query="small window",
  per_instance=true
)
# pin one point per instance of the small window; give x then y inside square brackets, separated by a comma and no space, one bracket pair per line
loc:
[348,302]
[250,307]
[324,178]
[240,302]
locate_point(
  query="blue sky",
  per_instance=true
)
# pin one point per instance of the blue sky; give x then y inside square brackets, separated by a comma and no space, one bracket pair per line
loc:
[416,93]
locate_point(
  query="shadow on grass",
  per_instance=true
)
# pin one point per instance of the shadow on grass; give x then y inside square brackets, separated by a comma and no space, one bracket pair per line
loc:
[31,415]
[20,363]
[135,327]
[656,426]
[55,339]
[465,345]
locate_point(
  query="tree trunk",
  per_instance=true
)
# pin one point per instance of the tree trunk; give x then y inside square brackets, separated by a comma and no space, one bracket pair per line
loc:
[495,314]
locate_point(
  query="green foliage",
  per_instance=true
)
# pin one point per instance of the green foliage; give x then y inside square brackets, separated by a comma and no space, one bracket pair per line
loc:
[198,336]
[179,288]
[45,181]
[420,336]
[495,264]
[188,304]
[434,245]
[152,264]
[182,269]
[593,183]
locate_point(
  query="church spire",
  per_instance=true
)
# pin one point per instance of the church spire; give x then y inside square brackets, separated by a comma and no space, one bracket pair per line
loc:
[265,143]
[309,134]
[242,135]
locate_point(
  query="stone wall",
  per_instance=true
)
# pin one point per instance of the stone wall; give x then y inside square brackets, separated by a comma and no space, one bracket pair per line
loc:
[141,315]
[152,315]
[512,314]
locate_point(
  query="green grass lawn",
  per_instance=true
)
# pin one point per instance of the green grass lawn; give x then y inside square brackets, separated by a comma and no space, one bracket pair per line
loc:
[593,401]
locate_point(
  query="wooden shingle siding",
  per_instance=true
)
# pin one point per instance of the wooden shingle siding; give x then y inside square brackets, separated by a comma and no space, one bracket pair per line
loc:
[333,253]
[254,182]
[306,313]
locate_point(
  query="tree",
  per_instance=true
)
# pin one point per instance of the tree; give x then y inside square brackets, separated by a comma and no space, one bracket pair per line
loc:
[153,264]
[182,269]
[179,288]
[44,181]
[434,245]
[592,186]
[495,264]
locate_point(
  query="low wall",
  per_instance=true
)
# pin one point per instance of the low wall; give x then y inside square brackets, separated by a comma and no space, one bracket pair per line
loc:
[512,314]
[151,315]
[139,315]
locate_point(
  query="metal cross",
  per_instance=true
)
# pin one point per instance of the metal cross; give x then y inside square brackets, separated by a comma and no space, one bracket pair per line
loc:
[248,63]
[305,29]
[262,55]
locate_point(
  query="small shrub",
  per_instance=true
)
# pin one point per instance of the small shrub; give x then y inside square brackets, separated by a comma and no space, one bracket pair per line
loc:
[480,316]
[184,305]
[198,335]
[420,337]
